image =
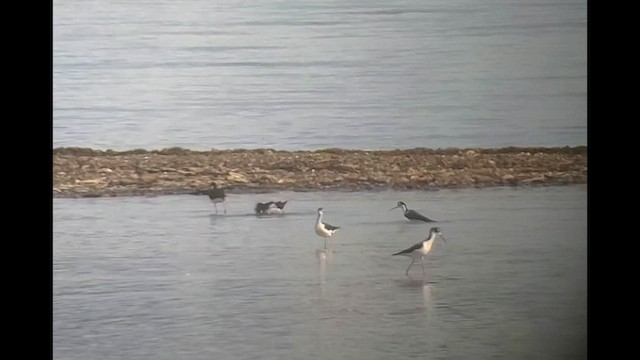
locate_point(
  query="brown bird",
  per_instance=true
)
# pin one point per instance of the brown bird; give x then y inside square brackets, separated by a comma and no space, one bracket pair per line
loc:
[216,195]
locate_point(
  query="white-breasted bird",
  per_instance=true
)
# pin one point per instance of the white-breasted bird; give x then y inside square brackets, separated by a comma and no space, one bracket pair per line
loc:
[323,229]
[421,249]
[271,208]
[274,209]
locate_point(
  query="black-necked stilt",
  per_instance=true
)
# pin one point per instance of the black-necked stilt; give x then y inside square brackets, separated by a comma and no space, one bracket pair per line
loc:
[262,207]
[274,210]
[421,249]
[411,214]
[323,229]
[216,195]
[271,207]
[281,204]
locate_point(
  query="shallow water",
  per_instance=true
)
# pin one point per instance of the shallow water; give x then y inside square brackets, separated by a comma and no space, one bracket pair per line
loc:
[315,74]
[167,278]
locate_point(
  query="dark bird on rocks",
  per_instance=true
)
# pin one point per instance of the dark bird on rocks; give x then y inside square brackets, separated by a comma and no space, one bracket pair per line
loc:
[216,195]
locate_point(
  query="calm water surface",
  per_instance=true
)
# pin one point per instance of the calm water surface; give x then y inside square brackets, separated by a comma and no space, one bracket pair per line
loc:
[314,74]
[166,278]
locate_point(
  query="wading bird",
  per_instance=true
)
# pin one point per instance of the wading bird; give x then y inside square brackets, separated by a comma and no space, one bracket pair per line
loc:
[323,229]
[270,208]
[216,195]
[421,249]
[411,214]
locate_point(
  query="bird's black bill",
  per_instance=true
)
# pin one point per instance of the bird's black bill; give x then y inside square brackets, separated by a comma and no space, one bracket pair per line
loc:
[443,239]
[394,208]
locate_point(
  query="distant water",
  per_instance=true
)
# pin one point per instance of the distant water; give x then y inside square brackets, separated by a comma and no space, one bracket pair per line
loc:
[310,74]
[165,278]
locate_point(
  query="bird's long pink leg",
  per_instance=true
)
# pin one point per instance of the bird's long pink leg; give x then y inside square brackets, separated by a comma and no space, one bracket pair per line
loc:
[410,265]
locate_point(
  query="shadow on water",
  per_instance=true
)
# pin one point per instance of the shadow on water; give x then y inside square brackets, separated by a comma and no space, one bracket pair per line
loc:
[413,283]
[214,217]
[234,215]
[253,214]
[288,213]
[260,216]
[426,301]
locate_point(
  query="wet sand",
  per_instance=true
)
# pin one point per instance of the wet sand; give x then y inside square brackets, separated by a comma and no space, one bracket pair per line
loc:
[81,172]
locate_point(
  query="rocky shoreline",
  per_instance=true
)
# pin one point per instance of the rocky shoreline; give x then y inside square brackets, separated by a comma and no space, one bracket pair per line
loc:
[81,172]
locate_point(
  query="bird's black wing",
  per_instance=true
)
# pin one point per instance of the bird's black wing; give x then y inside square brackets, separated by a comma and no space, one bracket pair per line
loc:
[414,215]
[410,250]
[330,227]
[216,194]
[260,207]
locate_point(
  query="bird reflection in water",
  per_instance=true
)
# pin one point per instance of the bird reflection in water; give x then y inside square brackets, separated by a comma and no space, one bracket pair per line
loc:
[325,259]
[427,298]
